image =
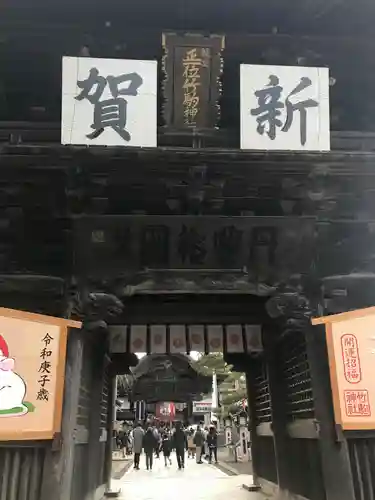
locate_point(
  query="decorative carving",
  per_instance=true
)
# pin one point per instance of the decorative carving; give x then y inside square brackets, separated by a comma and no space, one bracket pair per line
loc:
[96,308]
[291,303]
[154,246]
[191,246]
[228,243]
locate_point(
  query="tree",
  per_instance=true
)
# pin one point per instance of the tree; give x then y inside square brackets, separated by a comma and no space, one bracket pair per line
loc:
[207,364]
[232,385]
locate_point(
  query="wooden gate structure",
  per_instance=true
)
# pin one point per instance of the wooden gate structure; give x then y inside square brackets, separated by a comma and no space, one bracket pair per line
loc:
[193,232]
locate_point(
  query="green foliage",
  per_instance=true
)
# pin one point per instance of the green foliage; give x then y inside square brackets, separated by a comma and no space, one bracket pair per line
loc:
[207,364]
[210,363]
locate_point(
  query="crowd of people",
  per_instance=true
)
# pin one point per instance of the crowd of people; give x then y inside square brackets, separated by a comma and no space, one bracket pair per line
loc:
[155,440]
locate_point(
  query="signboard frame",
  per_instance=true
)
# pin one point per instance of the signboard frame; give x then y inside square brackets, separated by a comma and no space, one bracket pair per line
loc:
[335,336]
[174,44]
[21,433]
[209,404]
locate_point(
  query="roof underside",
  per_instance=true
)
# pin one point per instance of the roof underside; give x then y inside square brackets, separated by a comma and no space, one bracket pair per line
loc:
[326,17]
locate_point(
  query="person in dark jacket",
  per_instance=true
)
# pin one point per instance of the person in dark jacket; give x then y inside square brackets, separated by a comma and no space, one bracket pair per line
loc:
[149,443]
[212,444]
[179,443]
[166,448]
[199,441]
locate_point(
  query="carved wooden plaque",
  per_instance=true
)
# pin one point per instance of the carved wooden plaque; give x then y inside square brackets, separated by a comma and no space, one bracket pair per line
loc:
[263,246]
[192,67]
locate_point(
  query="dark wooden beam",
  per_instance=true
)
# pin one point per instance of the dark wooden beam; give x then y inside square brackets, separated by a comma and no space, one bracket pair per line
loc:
[278,405]
[303,429]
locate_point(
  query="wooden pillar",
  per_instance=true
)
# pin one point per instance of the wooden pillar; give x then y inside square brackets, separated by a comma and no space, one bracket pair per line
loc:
[58,470]
[334,452]
[109,444]
[95,479]
[277,395]
[255,443]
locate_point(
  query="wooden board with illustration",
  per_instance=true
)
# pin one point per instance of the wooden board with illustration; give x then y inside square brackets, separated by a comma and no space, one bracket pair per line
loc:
[32,366]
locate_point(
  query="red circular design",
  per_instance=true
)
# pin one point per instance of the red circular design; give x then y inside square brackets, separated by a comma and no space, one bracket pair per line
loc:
[215,342]
[234,338]
[138,343]
[158,339]
[195,338]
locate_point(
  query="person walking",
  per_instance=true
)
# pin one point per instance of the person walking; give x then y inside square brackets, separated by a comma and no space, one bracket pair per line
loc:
[191,445]
[138,434]
[149,443]
[179,443]
[199,441]
[166,447]
[205,451]
[123,439]
[212,444]
[157,437]
[129,443]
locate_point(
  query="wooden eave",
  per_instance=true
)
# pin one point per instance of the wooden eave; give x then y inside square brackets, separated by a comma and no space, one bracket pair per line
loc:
[57,156]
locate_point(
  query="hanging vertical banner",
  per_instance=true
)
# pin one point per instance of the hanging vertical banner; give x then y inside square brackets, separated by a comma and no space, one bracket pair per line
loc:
[253,336]
[32,373]
[350,343]
[215,338]
[196,338]
[192,67]
[177,335]
[158,339]
[118,339]
[138,338]
[234,339]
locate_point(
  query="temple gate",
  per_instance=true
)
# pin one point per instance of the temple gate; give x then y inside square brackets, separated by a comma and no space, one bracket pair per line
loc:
[189,236]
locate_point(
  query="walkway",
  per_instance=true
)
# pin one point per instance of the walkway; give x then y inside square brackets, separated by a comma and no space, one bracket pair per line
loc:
[195,482]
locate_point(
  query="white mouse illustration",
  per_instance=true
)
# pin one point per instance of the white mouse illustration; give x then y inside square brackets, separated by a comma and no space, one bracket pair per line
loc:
[12,386]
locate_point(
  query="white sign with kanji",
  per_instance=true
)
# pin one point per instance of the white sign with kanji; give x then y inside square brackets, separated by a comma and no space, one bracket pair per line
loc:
[285,108]
[109,102]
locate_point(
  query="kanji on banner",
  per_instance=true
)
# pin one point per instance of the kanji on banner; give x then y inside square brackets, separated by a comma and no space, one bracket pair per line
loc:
[109,102]
[284,107]
[350,344]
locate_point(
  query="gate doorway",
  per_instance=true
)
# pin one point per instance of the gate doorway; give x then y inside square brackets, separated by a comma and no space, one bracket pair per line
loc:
[281,409]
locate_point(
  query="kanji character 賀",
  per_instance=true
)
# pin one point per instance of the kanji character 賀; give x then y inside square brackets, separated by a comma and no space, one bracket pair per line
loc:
[111,112]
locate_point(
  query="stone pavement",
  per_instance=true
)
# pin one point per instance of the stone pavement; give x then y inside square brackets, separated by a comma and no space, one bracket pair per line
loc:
[228,464]
[195,482]
[120,466]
